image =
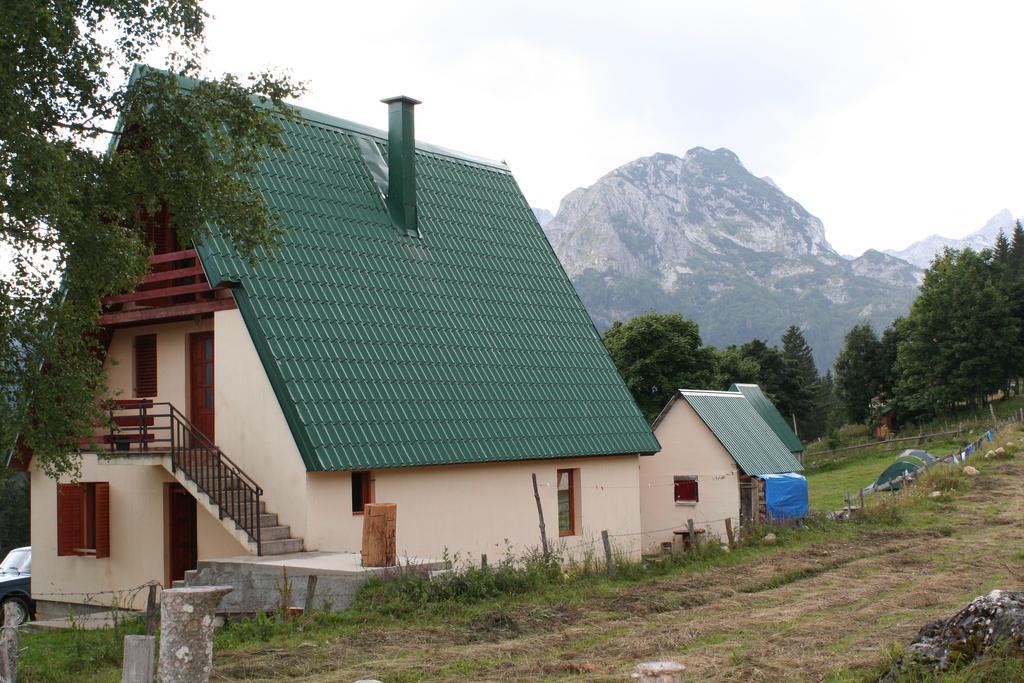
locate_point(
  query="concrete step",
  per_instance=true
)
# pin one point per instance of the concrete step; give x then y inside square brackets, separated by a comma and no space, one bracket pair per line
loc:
[178,584]
[275,533]
[268,519]
[190,575]
[239,498]
[282,546]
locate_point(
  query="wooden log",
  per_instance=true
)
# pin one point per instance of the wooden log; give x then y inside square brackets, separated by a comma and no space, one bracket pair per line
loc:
[540,516]
[151,610]
[139,659]
[608,557]
[728,533]
[310,593]
[379,522]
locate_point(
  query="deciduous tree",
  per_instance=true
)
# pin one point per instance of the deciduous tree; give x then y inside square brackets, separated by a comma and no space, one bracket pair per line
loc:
[70,213]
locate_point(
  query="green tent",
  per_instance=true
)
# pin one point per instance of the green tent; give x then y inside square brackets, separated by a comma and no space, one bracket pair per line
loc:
[891,475]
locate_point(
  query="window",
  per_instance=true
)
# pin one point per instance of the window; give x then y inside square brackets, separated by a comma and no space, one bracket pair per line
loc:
[686,490]
[145,365]
[83,519]
[568,502]
[361,492]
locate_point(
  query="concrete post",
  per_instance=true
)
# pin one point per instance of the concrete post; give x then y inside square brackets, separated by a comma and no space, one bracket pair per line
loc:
[659,672]
[9,643]
[139,652]
[186,633]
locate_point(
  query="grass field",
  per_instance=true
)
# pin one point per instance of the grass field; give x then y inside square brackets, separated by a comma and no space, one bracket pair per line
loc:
[827,602]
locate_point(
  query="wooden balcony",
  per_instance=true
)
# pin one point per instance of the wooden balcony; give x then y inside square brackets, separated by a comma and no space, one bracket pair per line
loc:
[176,288]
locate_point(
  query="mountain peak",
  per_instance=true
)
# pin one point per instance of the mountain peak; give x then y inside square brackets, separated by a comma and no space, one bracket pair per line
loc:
[720,154]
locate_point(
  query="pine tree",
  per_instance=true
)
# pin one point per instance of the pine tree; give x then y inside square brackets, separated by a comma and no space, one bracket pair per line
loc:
[801,379]
[858,372]
[1017,251]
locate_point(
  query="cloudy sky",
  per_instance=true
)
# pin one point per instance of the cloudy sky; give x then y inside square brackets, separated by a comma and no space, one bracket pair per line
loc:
[889,121]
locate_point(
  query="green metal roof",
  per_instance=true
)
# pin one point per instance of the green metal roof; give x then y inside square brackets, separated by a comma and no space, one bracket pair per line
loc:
[466,344]
[741,430]
[771,415]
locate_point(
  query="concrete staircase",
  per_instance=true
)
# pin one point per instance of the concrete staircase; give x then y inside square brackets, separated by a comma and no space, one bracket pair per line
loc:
[276,538]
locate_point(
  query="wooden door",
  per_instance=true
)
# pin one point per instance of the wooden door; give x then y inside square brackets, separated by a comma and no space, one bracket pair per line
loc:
[201,382]
[181,532]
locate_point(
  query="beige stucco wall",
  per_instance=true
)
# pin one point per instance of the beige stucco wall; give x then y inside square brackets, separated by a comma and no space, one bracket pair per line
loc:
[688,448]
[171,359]
[250,427]
[137,535]
[473,509]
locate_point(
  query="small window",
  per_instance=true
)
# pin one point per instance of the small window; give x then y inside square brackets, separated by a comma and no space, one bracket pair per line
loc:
[686,490]
[145,365]
[568,502]
[361,492]
[83,519]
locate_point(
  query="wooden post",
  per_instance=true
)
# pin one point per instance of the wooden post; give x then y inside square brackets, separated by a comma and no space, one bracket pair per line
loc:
[310,593]
[139,654]
[849,505]
[728,532]
[862,501]
[9,643]
[608,557]
[151,610]
[483,561]
[540,516]
[693,535]
[379,520]
[995,422]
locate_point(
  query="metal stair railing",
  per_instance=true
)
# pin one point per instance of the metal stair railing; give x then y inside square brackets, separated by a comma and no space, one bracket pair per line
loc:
[144,427]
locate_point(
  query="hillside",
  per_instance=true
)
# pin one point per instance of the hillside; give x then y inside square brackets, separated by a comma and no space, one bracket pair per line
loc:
[701,235]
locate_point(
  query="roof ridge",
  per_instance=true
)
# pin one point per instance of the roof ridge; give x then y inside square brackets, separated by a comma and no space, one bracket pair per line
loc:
[710,392]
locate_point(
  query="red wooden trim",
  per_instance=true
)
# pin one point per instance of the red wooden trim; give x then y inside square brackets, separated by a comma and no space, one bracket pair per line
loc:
[70,515]
[190,271]
[165,312]
[572,500]
[102,531]
[130,437]
[133,421]
[173,256]
[132,403]
[157,293]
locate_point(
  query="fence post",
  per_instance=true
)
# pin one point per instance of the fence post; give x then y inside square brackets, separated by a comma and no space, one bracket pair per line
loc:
[139,652]
[609,559]
[540,516]
[151,610]
[693,535]
[849,506]
[9,643]
[186,633]
[862,500]
[310,592]
[728,532]
[995,422]
[483,561]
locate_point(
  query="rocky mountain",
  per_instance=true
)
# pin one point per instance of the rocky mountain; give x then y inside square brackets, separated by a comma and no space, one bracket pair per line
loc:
[922,252]
[701,235]
[543,216]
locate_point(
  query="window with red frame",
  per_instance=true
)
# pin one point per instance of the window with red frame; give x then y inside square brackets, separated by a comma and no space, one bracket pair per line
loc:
[686,490]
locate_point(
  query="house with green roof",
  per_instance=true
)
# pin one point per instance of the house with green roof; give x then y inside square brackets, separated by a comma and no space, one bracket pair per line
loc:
[716,454]
[414,340]
[767,410]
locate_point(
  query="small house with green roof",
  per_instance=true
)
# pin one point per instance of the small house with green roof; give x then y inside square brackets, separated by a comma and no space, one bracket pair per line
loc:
[767,410]
[716,451]
[414,340]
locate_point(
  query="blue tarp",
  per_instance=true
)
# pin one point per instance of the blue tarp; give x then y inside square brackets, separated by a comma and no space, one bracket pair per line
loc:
[785,495]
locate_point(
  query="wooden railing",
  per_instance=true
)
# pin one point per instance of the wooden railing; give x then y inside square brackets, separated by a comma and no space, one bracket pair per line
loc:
[176,287]
[144,427]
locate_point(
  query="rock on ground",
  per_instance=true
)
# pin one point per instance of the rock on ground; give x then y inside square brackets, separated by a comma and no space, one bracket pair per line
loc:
[989,619]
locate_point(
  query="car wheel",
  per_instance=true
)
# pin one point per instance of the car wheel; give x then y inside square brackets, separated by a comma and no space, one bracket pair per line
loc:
[21,613]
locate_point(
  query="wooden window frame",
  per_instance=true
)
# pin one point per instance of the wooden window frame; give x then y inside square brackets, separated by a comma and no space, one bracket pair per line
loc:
[83,520]
[366,490]
[574,482]
[150,343]
[696,489]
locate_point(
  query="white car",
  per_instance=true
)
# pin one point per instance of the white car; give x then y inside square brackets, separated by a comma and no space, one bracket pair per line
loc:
[15,583]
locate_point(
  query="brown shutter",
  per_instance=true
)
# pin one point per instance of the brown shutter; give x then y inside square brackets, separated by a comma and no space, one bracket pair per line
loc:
[70,514]
[102,519]
[145,365]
